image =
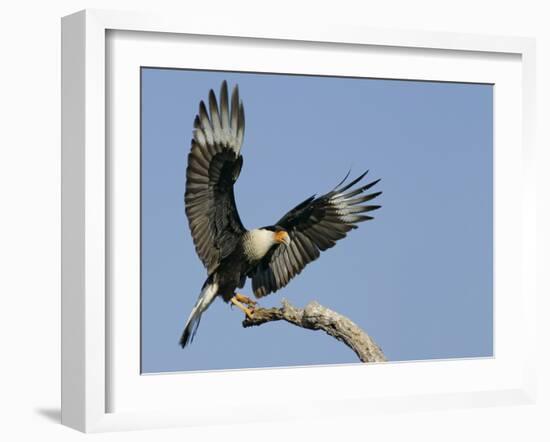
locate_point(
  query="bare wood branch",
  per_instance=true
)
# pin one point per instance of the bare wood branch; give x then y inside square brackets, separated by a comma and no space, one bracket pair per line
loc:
[317,317]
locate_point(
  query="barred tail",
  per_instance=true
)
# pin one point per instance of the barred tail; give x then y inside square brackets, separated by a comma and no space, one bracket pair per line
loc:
[206,297]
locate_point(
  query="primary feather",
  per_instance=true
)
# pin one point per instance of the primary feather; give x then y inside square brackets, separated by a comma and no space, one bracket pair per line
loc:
[314,225]
[213,166]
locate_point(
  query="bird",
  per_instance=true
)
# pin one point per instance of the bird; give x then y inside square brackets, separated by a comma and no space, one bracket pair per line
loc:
[270,256]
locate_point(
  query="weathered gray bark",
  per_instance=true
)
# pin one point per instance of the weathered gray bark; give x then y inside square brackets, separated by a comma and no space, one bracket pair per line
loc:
[316,317]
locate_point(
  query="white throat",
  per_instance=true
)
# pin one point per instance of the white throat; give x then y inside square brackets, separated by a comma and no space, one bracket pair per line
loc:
[257,243]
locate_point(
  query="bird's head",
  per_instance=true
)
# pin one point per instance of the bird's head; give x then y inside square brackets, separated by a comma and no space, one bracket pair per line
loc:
[277,235]
[258,242]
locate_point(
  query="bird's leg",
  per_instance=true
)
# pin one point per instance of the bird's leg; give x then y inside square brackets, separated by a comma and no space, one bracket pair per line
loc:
[236,302]
[245,299]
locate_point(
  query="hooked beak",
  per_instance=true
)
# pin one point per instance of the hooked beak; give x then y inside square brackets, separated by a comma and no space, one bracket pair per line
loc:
[282,237]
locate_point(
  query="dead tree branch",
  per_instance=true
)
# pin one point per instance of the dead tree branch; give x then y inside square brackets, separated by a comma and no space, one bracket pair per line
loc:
[316,317]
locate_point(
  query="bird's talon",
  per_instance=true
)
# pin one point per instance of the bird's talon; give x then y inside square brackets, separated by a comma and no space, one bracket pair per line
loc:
[236,300]
[245,299]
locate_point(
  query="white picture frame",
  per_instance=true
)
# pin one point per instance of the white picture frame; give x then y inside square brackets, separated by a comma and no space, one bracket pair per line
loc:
[89,359]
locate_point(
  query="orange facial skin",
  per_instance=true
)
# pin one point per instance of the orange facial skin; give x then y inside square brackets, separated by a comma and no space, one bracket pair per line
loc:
[282,237]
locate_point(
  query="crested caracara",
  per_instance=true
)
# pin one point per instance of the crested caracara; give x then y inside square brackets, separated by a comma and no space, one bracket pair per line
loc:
[271,256]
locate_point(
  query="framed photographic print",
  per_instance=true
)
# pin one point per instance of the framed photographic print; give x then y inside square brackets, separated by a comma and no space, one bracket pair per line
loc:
[314,199]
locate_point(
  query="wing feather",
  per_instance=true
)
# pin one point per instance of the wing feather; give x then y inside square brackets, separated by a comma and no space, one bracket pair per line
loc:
[224,111]
[314,225]
[215,118]
[213,166]
[234,114]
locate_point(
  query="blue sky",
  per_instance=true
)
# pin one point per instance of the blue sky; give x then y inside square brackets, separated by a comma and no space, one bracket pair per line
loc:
[418,278]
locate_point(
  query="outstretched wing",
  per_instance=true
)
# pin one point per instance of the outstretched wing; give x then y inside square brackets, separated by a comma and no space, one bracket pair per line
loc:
[213,166]
[313,226]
